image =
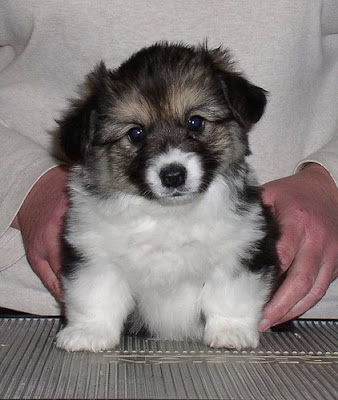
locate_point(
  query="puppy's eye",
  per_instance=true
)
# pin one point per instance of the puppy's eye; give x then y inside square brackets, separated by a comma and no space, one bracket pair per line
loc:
[136,134]
[196,124]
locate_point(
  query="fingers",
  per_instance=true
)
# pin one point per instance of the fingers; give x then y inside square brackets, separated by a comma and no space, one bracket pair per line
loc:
[54,263]
[289,243]
[45,272]
[54,254]
[316,293]
[296,294]
[49,278]
[41,218]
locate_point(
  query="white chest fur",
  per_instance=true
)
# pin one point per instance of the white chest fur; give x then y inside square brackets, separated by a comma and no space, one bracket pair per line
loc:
[154,244]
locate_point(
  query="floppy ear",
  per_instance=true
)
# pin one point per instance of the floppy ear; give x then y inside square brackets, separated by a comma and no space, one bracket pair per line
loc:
[77,127]
[246,101]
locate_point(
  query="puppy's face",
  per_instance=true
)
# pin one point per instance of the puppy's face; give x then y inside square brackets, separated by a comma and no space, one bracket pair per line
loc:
[163,125]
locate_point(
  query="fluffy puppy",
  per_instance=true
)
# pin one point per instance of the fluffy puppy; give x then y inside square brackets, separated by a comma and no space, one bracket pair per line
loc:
[166,226]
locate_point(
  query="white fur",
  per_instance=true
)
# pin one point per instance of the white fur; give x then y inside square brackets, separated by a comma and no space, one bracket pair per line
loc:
[176,261]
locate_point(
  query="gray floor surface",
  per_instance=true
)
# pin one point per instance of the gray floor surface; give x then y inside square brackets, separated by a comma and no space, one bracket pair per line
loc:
[299,364]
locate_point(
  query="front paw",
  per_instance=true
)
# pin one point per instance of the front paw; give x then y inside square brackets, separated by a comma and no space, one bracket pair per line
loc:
[231,333]
[87,338]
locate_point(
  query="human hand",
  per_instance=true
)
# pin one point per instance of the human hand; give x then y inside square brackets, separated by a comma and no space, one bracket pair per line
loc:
[306,205]
[40,221]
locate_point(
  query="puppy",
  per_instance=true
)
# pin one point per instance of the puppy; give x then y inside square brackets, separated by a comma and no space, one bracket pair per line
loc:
[166,226]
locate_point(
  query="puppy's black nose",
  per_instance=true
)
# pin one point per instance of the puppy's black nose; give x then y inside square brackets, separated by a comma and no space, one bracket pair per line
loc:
[173,175]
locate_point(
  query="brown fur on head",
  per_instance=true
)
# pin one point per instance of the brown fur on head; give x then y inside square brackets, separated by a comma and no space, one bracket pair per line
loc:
[154,94]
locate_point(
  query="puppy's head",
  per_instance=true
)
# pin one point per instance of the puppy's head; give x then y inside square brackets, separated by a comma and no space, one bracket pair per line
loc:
[163,124]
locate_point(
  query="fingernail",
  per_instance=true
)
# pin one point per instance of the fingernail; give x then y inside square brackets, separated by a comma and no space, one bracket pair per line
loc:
[264,325]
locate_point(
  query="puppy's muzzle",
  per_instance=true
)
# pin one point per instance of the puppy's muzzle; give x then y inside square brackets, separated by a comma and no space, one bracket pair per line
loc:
[173,175]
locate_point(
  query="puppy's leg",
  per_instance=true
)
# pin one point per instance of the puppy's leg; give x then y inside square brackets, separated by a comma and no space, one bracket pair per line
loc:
[233,307]
[97,303]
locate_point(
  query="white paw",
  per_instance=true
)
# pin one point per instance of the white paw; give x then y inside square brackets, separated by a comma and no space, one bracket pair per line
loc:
[86,338]
[231,333]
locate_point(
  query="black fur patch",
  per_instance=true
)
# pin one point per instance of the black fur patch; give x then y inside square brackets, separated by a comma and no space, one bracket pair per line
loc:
[263,257]
[72,259]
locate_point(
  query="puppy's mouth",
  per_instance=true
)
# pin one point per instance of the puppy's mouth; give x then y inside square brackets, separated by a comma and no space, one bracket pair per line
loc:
[176,197]
[178,194]
[168,194]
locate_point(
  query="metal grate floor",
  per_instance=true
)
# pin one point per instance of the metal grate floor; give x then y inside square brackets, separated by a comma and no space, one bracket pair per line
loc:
[299,364]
